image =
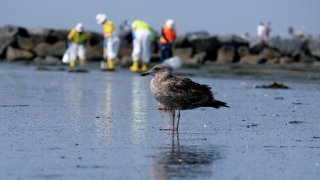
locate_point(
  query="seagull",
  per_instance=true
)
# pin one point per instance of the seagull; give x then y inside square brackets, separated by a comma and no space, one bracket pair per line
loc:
[177,93]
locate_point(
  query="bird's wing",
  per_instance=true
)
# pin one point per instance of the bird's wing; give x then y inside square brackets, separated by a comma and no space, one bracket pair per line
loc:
[183,89]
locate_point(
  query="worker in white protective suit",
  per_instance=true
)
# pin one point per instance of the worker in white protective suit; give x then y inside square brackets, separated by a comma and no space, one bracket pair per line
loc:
[77,44]
[142,38]
[111,44]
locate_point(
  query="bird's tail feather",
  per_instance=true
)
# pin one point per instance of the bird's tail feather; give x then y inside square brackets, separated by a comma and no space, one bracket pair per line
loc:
[218,104]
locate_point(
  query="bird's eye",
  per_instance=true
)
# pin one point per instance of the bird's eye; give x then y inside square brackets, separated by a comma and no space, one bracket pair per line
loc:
[156,68]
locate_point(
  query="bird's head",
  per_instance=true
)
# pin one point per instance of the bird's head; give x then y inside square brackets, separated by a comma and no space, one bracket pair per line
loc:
[160,69]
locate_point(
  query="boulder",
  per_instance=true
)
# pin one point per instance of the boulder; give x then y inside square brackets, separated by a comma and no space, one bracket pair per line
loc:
[60,34]
[246,57]
[94,53]
[197,59]
[208,45]
[40,35]
[286,46]
[18,54]
[304,58]
[285,60]
[5,41]
[95,39]
[42,49]
[191,36]
[58,49]
[182,42]
[14,31]
[233,40]
[183,53]
[258,48]
[25,43]
[250,59]
[124,52]
[270,56]
[226,54]
[314,46]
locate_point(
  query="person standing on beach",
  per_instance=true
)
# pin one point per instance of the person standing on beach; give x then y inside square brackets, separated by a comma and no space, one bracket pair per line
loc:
[266,32]
[260,30]
[168,35]
[77,43]
[111,44]
[142,37]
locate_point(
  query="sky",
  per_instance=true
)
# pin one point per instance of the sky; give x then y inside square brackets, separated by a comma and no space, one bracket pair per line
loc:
[218,17]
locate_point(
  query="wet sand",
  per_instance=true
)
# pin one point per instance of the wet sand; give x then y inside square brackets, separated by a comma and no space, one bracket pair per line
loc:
[105,125]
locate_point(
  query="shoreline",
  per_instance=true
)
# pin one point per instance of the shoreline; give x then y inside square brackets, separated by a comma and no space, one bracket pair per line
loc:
[304,73]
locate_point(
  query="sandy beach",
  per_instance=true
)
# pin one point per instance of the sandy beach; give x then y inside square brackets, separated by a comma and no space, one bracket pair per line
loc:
[98,125]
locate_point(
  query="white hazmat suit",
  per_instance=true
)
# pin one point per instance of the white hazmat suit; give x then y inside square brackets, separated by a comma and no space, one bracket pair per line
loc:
[141,45]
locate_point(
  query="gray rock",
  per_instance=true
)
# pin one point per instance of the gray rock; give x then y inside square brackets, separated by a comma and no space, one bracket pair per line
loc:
[25,43]
[270,56]
[95,39]
[286,46]
[208,45]
[94,53]
[40,35]
[314,46]
[58,49]
[5,41]
[42,49]
[18,54]
[304,58]
[183,53]
[60,34]
[226,54]
[14,31]
[233,40]
[285,60]
[250,59]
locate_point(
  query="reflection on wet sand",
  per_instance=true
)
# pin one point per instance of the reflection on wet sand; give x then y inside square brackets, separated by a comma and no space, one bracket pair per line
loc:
[139,106]
[103,124]
[179,161]
[75,99]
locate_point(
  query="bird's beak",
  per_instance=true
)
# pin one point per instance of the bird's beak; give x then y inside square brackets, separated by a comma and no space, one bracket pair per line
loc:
[145,73]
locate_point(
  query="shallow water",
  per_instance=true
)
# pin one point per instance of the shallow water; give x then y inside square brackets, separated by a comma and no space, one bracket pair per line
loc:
[105,125]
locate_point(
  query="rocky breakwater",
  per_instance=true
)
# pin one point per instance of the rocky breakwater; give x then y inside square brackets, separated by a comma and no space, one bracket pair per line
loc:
[202,48]
[41,44]
[48,46]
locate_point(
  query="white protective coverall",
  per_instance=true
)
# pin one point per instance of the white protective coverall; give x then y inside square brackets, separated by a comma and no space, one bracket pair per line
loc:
[113,45]
[77,50]
[142,45]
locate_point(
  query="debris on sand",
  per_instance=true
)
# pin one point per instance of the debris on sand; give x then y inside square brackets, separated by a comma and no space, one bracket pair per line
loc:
[252,125]
[14,105]
[295,122]
[42,68]
[279,98]
[274,85]
[78,71]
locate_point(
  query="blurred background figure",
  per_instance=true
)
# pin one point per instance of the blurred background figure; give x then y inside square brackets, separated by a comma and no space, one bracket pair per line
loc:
[77,45]
[125,26]
[168,35]
[266,31]
[260,29]
[111,44]
[143,35]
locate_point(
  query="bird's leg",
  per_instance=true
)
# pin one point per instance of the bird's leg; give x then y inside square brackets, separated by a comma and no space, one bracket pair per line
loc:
[173,113]
[178,116]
